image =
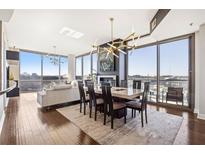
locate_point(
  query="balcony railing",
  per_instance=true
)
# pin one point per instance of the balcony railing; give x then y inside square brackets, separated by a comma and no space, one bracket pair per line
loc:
[163,88]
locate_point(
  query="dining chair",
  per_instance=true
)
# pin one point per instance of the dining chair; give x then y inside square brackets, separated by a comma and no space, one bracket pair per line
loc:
[86,82]
[83,99]
[140,105]
[137,84]
[97,102]
[123,83]
[111,107]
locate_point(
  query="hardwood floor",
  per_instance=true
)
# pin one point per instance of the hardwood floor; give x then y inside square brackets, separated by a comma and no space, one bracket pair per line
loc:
[25,123]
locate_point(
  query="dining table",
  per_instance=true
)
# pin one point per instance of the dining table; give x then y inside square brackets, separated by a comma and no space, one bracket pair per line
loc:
[121,92]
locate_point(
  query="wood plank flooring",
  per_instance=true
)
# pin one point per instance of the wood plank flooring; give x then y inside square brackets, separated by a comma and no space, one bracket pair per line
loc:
[25,123]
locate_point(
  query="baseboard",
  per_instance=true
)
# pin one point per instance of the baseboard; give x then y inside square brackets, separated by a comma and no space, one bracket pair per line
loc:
[2,121]
[201,116]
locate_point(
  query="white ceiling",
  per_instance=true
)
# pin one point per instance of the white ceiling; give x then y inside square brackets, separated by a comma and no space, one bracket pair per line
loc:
[39,29]
[176,23]
[5,14]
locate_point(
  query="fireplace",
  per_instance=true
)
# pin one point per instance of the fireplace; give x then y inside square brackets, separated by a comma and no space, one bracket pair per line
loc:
[107,78]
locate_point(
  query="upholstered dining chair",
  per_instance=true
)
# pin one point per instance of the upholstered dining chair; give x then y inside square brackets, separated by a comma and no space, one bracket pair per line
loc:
[123,83]
[83,99]
[140,105]
[98,103]
[113,106]
[137,84]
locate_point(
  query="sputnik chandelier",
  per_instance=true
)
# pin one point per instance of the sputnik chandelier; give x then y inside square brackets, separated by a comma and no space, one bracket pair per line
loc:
[116,45]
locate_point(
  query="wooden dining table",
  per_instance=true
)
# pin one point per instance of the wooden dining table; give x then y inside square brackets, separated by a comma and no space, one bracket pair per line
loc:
[121,92]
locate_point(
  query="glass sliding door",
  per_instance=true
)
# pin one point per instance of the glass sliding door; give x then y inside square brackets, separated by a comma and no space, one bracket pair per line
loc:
[174,67]
[142,65]
[30,71]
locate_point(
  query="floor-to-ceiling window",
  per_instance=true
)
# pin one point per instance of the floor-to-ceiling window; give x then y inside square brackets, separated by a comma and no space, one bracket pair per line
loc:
[142,65]
[38,70]
[78,68]
[30,71]
[86,66]
[50,71]
[63,68]
[164,65]
[94,63]
[174,62]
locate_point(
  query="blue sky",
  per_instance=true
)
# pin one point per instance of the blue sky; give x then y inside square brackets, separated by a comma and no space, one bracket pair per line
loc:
[173,59]
[31,63]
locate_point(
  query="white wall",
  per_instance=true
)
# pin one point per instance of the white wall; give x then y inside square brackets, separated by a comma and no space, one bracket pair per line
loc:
[200,73]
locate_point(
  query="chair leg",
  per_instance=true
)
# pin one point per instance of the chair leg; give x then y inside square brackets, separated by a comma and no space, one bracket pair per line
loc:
[146,115]
[90,111]
[84,108]
[142,119]
[80,107]
[105,114]
[112,119]
[125,114]
[135,113]
[95,113]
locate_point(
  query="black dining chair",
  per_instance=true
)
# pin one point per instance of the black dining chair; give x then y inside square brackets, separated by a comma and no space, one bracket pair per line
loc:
[137,84]
[86,82]
[140,105]
[111,107]
[98,103]
[123,83]
[83,99]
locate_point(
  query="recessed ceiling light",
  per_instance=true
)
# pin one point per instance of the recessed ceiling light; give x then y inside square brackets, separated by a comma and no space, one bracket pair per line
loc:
[70,32]
[77,35]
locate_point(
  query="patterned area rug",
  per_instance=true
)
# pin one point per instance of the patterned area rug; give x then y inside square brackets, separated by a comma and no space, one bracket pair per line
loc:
[162,128]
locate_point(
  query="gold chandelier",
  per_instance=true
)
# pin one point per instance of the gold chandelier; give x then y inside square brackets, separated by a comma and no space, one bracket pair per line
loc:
[116,45]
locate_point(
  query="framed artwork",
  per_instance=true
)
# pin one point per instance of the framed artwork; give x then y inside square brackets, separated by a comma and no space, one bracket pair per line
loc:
[107,62]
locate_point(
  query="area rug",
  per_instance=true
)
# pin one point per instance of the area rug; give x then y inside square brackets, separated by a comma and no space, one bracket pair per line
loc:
[161,128]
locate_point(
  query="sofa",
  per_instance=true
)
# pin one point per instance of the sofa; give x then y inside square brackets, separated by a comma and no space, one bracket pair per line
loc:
[58,95]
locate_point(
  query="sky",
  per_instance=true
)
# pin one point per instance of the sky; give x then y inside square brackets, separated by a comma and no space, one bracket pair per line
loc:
[173,59]
[31,63]
[86,64]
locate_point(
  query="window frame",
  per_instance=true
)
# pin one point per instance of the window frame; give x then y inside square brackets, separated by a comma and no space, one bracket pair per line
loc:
[41,63]
[77,77]
[191,64]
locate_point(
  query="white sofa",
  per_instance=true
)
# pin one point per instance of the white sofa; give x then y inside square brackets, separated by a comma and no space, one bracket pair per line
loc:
[58,95]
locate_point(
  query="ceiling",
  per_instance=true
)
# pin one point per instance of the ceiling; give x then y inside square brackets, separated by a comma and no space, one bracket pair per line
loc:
[6,14]
[176,23]
[38,30]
